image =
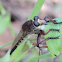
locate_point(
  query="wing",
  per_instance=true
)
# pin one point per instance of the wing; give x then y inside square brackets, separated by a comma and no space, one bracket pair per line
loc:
[17,38]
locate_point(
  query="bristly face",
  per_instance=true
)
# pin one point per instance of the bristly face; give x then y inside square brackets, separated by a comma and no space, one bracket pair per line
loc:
[39,23]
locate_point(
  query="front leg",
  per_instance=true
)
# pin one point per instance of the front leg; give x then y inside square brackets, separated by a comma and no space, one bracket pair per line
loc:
[54,21]
[42,32]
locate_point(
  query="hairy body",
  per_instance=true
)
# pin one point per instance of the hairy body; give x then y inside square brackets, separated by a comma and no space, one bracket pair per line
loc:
[28,31]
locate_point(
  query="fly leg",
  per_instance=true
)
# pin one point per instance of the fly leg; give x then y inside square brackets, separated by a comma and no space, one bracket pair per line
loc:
[48,39]
[42,33]
[54,21]
[52,30]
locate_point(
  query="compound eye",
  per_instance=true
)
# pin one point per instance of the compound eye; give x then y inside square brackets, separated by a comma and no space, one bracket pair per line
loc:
[36,18]
[36,23]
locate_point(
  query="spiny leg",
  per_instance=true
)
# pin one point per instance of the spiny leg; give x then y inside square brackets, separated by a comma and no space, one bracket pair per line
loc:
[48,39]
[42,32]
[54,21]
[52,30]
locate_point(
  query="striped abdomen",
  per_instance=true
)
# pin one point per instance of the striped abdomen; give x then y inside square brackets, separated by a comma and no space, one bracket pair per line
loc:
[27,28]
[16,43]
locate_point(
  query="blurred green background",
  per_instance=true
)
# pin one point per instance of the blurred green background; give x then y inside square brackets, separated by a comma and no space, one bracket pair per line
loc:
[13,13]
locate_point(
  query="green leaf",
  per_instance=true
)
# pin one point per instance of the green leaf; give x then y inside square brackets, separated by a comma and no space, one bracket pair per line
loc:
[2,10]
[36,9]
[29,44]
[12,30]
[5,45]
[4,19]
[6,58]
[54,45]
[60,58]
[20,57]
[32,59]
[17,52]
[4,23]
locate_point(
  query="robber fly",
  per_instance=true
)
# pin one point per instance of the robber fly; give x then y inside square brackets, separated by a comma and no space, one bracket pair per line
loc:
[34,26]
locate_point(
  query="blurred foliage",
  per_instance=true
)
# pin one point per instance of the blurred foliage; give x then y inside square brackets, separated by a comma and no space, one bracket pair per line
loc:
[36,9]
[59,6]
[4,19]
[16,54]
[5,45]
[60,58]
[53,46]
[6,58]
[32,59]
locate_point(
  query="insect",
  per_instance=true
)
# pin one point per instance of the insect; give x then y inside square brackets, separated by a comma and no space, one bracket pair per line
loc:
[34,26]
